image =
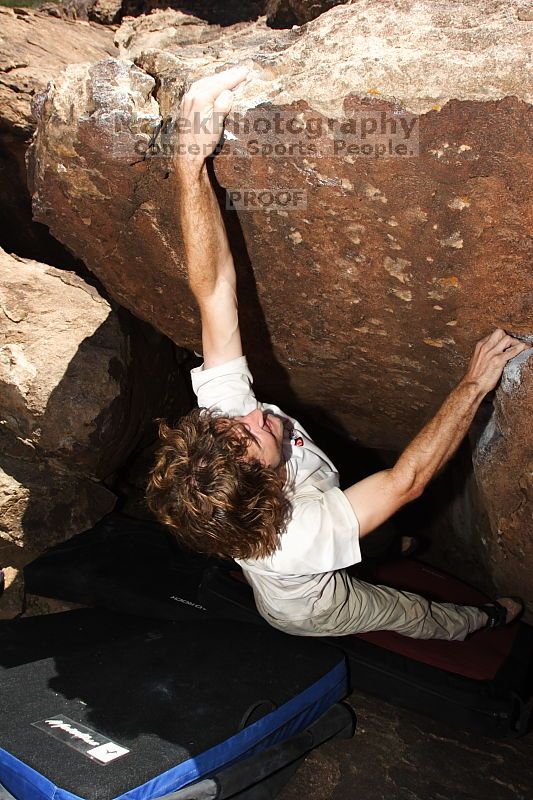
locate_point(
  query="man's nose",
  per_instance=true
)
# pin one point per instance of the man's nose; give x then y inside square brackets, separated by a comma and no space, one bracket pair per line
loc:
[257,418]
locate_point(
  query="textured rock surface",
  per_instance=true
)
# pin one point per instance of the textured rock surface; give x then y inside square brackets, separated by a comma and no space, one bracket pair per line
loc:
[503,461]
[169,30]
[33,50]
[367,302]
[41,504]
[36,606]
[68,9]
[11,593]
[34,47]
[80,383]
[219,12]
[106,12]
[399,755]
[286,13]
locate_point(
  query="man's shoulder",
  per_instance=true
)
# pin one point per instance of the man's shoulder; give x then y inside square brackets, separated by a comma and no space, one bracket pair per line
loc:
[236,366]
[226,387]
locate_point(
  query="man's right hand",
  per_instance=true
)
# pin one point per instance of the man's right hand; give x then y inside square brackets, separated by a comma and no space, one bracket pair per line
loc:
[203,109]
[491,354]
[377,497]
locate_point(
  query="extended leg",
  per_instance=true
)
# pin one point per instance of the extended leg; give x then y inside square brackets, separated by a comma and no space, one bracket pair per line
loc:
[358,607]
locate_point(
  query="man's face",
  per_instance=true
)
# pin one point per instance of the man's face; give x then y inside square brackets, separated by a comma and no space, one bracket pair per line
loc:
[267,431]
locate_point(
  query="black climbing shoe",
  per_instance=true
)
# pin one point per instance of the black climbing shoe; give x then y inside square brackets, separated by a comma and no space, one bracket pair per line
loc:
[497,613]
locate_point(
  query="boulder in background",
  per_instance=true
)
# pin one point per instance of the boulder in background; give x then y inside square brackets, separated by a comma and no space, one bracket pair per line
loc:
[81,383]
[34,47]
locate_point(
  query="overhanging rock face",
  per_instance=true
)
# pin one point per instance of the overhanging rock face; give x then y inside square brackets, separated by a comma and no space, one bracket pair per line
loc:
[367,299]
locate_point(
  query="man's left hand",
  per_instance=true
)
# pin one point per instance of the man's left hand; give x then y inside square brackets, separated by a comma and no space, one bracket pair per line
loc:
[203,109]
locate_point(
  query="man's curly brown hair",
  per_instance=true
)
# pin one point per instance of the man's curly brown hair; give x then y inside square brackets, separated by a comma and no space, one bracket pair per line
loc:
[215,499]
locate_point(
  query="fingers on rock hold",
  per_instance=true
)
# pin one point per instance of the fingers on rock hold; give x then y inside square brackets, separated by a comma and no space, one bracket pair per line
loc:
[224,101]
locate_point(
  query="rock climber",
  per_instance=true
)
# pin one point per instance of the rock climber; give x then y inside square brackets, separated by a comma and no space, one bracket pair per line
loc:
[241,479]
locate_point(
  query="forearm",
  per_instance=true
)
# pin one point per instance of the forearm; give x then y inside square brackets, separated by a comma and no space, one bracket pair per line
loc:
[207,251]
[379,496]
[438,440]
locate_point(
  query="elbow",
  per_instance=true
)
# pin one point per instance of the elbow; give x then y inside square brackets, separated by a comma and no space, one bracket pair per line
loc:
[409,483]
[416,490]
[412,492]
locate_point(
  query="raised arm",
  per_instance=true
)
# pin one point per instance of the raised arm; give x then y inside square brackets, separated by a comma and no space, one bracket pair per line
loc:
[379,496]
[208,256]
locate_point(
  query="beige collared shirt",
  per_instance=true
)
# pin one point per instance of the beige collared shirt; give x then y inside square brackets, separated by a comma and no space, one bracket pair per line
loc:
[322,534]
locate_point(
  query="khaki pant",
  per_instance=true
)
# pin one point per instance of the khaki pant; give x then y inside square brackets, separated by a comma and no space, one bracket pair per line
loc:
[360,607]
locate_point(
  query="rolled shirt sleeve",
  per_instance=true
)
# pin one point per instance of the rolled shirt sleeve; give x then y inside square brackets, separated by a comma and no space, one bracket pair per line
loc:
[226,387]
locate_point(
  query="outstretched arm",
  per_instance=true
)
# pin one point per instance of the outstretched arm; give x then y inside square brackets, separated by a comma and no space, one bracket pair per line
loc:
[208,256]
[379,496]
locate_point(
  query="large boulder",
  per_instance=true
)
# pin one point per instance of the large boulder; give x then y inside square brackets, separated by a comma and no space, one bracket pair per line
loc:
[34,47]
[81,382]
[405,133]
[26,67]
[421,275]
